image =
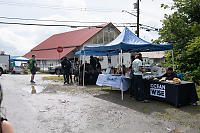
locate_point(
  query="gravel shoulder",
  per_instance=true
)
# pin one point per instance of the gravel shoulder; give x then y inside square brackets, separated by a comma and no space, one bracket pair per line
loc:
[56,108]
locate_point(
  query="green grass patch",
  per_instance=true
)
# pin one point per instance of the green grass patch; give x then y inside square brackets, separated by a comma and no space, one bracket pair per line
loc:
[54,78]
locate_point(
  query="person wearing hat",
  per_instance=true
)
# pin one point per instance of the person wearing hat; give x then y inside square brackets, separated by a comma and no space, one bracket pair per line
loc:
[170,74]
[5,126]
[32,64]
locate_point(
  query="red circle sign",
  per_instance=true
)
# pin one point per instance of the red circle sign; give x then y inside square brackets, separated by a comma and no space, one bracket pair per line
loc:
[60,49]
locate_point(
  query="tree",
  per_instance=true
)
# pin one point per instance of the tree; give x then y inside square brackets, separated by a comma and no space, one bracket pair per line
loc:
[190,61]
[182,29]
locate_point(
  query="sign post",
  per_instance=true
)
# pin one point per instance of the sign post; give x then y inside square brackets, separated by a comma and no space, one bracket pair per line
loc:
[59,50]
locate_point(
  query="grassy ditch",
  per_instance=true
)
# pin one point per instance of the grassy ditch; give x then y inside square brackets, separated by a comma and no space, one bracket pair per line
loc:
[60,78]
[54,78]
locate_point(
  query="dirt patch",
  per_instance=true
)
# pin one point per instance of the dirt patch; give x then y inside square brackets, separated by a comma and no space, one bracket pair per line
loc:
[184,116]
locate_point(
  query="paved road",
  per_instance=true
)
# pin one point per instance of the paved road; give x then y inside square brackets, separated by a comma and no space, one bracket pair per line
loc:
[63,112]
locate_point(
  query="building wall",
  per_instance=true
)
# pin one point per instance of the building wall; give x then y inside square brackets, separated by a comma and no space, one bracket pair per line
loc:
[44,64]
[103,37]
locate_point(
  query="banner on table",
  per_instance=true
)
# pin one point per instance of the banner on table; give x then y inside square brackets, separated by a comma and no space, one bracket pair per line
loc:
[157,90]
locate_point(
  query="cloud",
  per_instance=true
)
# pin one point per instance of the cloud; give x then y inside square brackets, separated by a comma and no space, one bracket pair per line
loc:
[73,3]
[18,40]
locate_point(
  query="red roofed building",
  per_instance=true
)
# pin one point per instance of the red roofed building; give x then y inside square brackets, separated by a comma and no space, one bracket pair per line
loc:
[73,41]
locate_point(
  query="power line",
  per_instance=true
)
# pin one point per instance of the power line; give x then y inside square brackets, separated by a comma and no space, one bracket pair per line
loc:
[33,24]
[148,28]
[31,19]
[51,20]
[72,26]
[75,26]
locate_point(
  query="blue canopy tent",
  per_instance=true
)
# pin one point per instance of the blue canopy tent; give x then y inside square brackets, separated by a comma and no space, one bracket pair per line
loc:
[127,41]
[18,58]
[97,53]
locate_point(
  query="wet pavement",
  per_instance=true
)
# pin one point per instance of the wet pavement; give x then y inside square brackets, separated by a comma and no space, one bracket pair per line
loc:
[50,107]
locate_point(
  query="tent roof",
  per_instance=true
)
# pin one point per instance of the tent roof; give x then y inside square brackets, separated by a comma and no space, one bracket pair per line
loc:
[97,53]
[18,58]
[128,41]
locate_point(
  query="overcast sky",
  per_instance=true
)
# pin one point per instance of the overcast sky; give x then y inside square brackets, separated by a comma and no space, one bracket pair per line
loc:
[20,39]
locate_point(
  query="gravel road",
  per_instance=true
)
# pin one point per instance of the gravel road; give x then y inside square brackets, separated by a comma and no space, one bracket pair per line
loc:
[50,107]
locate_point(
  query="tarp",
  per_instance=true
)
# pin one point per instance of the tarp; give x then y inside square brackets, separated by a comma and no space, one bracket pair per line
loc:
[96,53]
[127,41]
[18,58]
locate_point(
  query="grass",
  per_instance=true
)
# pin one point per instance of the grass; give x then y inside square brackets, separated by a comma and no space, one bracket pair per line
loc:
[55,78]
[60,78]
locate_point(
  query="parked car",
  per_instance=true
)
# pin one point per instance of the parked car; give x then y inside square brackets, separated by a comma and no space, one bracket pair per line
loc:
[57,69]
[4,63]
[16,70]
[20,69]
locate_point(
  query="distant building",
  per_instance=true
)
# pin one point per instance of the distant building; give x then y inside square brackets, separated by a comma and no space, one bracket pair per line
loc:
[153,57]
[73,41]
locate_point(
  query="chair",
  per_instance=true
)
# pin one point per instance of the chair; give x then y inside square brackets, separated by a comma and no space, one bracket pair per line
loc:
[180,76]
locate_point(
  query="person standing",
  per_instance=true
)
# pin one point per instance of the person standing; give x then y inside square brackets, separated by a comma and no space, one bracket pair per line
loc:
[98,66]
[32,64]
[138,85]
[5,126]
[93,62]
[66,66]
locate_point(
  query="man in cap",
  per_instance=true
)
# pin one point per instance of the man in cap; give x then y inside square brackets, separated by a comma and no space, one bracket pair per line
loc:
[32,64]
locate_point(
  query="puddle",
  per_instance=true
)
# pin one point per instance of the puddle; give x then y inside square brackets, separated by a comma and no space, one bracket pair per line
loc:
[33,89]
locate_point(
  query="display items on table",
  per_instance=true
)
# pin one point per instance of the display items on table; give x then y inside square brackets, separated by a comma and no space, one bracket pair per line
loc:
[158,71]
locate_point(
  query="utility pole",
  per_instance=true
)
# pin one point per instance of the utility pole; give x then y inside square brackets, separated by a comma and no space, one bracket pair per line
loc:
[137,7]
[138,13]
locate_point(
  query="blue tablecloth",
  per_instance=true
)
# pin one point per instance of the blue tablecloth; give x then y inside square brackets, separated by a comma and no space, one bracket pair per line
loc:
[114,81]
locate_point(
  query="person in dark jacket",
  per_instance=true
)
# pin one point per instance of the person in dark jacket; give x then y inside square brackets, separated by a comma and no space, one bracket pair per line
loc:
[98,66]
[93,62]
[170,74]
[66,66]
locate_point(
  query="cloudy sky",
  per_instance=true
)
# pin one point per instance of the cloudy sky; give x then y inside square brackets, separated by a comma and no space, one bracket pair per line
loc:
[20,39]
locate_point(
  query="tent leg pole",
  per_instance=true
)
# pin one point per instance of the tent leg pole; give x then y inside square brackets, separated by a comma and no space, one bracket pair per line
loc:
[84,69]
[121,63]
[122,95]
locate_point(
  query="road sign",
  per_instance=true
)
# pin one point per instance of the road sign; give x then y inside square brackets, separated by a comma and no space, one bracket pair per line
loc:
[59,49]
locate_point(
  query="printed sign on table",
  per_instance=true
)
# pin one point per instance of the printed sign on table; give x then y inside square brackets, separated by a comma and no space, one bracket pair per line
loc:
[157,90]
